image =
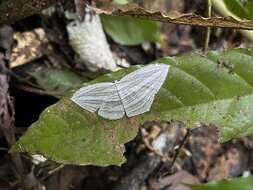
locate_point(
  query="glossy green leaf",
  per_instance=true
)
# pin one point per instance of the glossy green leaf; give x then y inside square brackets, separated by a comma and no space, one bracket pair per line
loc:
[127,30]
[233,184]
[241,8]
[215,89]
[56,80]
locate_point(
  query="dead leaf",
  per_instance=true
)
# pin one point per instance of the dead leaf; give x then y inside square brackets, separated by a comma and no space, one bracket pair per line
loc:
[29,46]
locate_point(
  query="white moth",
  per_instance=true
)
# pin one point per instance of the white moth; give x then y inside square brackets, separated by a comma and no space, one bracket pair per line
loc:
[130,96]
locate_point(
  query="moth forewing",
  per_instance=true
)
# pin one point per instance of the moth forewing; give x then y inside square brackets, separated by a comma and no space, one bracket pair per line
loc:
[131,96]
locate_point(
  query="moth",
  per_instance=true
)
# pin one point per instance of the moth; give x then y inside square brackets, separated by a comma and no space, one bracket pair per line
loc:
[131,95]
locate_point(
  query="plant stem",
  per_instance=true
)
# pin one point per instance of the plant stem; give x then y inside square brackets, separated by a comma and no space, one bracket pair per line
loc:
[208,31]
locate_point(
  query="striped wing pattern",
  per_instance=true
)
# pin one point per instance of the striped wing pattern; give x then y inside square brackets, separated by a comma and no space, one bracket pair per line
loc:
[137,90]
[132,95]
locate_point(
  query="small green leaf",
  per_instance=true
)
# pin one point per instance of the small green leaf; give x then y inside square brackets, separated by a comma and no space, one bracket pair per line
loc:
[237,8]
[215,89]
[56,80]
[127,30]
[121,2]
[68,134]
[242,9]
[249,7]
[233,184]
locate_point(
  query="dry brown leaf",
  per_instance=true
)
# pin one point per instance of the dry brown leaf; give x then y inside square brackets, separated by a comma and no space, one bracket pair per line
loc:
[29,46]
[176,17]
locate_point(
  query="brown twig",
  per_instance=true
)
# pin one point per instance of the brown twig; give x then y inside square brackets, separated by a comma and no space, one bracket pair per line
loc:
[13,10]
[188,133]
[176,18]
[181,145]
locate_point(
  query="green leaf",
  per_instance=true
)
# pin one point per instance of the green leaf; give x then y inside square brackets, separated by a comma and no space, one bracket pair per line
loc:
[221,94]
[215,89]
[242,9]
[127,30]
[234,184]
[249,8]
[56,80]
[121,2]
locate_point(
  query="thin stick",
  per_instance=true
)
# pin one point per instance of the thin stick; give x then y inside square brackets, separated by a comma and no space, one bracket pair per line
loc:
[208,31]
[39,91]
[188,133]
[51,172]
[180,147]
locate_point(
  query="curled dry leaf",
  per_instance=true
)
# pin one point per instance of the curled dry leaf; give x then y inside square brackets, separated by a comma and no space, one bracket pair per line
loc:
[176,17]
